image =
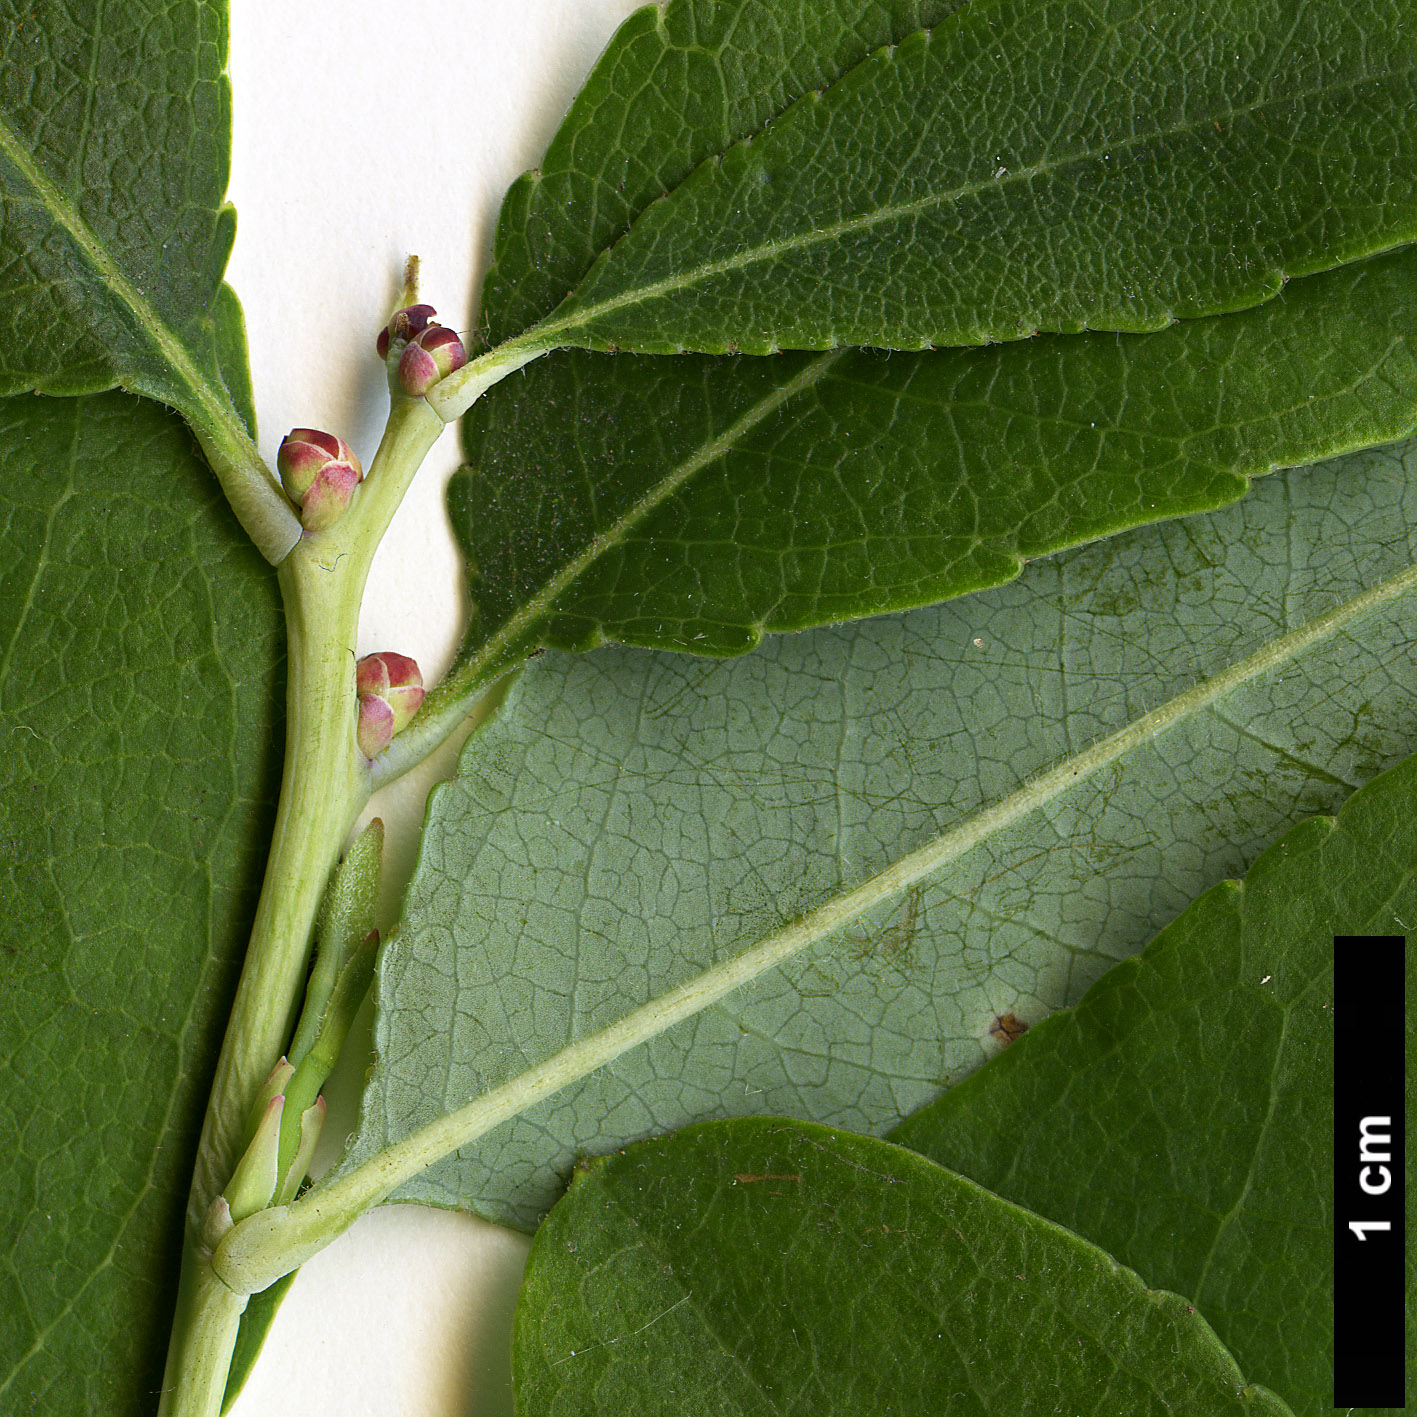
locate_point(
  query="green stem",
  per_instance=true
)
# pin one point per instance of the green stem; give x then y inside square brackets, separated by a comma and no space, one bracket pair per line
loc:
[203,1334]
[325,783]
[323,787]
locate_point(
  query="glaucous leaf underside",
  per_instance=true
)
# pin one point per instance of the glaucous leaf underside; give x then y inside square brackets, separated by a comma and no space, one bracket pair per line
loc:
[633,819]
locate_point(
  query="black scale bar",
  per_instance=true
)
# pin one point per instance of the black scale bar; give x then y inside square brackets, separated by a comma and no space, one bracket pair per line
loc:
[1369,1240]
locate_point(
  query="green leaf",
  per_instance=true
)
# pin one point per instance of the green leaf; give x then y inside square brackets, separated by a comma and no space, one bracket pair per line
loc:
[773,494]
[232,355]
[138,708]
[699,503]
[1071,759]
[115,133]
[768,1266]
[1181,1117]
[114,139]
[677,84]
[1024,165]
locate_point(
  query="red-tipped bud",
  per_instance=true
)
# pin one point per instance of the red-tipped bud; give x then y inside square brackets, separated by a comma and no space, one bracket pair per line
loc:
[321,472]
[396,679]
[273,1087]
[390,689]
[375,729]
[305,453]
[329,495]
[431,356]
[412,320]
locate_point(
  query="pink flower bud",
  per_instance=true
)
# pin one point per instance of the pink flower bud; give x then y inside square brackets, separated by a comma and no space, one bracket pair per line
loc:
[412,320]
[329,495]
[375,729]
[395,679]
[305,453]
[390,689]
[431,356]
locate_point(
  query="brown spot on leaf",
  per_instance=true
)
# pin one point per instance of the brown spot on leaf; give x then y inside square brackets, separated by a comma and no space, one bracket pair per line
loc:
[1007,1027]
[744,1179]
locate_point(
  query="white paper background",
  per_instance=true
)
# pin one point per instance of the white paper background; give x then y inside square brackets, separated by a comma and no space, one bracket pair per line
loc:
[365,132]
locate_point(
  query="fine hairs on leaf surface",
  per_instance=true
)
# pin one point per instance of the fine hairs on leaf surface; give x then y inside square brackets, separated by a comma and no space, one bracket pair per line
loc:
[668,893]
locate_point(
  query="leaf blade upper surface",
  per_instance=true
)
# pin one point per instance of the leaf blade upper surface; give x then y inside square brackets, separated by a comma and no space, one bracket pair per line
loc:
[139,708]
[774,494]
[1025,166]
[114,150]
[114,230]
[771,1266]
[677,84]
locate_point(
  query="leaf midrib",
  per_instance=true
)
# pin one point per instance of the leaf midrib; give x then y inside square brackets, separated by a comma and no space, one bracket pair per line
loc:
[164,341]
[533,612]
[544,332]
[378,1176]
